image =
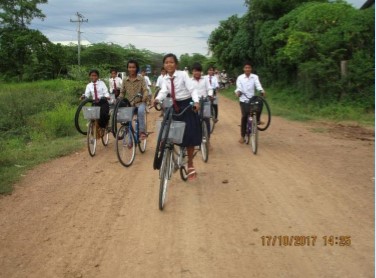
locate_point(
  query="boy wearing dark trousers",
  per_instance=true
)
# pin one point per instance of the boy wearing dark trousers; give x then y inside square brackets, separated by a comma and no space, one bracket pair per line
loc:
[245,89]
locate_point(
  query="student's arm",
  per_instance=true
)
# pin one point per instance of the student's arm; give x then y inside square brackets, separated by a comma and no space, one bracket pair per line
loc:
[238,87]
[87,91]
[122,90]
[162,92]
[144,90]
[106,93]
[191,88]
[258,85]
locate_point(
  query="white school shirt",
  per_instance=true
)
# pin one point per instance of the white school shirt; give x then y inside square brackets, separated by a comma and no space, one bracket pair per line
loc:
[184,88]
[159,81]
[247,86]
[203,87]
[148,84]
[214,82]
[102,90]
[118,81]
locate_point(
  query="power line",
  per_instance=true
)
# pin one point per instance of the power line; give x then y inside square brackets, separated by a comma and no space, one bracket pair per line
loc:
[80,19]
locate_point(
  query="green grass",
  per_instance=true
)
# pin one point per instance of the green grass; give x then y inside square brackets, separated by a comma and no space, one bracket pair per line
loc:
[36,125]
[290,105]
[19,156]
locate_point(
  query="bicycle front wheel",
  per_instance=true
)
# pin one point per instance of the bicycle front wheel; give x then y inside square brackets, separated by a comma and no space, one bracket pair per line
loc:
[79,121]
[205,142]
[182,163]
[125,146]
[254,135]
[164,178]
[92,138]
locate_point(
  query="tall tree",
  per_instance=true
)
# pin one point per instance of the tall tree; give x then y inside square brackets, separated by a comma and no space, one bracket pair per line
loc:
[19,13]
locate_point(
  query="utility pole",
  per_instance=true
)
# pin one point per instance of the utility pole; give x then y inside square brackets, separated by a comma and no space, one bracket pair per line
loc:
[80,19]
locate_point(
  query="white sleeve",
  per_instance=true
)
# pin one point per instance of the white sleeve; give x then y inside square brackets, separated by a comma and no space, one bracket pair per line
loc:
[258,84]
[87,91]
[106,93]
[238,85]
[163,92]
[191,88]
[110,83]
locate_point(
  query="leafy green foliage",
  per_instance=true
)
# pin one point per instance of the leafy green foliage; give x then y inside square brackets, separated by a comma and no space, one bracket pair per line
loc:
[301,44]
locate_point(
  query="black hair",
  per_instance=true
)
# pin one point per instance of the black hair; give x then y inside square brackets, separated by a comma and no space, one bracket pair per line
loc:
[170,55]
[132,61]
[113,69]
[94,71]
[197,66]
[247,63]
[162,68]
[211,67]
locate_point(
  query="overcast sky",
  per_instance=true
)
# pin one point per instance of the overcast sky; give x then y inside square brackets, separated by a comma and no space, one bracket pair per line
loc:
[177,26]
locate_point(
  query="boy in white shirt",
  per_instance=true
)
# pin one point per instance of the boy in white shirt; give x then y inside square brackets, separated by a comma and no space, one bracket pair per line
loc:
[215,86]
[115,83]
[203,87]
[245,89]
[97,89]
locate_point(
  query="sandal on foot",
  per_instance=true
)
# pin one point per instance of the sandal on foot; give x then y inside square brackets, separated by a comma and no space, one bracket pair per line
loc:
[192,175]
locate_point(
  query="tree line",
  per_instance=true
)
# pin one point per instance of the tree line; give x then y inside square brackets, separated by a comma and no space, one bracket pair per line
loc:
[28,55]
[324,49]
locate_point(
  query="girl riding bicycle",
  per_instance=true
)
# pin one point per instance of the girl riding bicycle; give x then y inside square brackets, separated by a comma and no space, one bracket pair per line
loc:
[133,85]
[180,87]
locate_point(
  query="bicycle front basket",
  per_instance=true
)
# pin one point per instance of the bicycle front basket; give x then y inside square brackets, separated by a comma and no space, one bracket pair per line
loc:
[255,106]
[91,113]
[206,110]
[167,102]
[125,114]
[176,132]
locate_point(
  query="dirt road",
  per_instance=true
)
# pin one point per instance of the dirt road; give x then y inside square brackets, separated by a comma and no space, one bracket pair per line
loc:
[90,217]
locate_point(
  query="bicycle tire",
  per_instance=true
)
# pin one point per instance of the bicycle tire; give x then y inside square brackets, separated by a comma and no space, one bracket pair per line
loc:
[106,137]
[124,145]
[163,185]
[161,142]
[77,117]
[91,138]
[212,119]
[142,143]
[254,135]
[263,128]
[204,142]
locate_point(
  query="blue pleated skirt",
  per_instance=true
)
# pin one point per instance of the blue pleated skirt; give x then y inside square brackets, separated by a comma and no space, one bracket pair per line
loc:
[192,135]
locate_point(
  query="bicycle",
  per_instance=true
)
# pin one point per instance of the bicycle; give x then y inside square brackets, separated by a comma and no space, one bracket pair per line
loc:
[213,115]
[127,136]
[167,159]
[94,132]
[253,126]
[80,122]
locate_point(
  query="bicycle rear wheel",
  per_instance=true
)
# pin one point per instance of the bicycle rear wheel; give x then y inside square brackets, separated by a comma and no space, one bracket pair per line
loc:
[182,163]
[106,137]
[164,177]
[79,121]
[265,117]
[212,119]
[92,138]
[143,142]
[204,142]
[254,135]
[125,146]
